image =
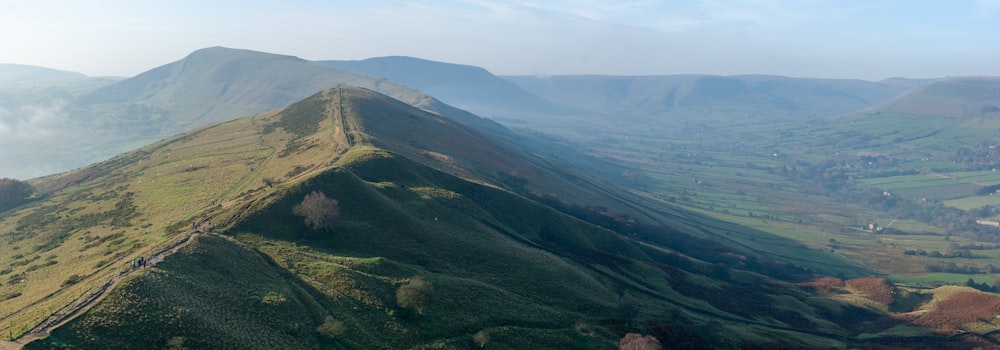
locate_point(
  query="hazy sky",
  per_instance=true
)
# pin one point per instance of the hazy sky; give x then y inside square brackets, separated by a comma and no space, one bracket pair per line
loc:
[867,39]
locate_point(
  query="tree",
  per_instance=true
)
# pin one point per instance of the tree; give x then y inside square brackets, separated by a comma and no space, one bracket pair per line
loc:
[331,328]
[481,338]
[635,341]
[317,210]
[13,193]
[415,294]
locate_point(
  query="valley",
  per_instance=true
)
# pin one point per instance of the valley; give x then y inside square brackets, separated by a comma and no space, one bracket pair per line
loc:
[711,212]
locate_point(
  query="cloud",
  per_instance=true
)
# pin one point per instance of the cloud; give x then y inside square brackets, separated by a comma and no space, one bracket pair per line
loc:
[32,121]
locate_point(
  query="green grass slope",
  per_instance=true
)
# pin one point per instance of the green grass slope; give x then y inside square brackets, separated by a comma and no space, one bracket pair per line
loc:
[241,302]
[510,268]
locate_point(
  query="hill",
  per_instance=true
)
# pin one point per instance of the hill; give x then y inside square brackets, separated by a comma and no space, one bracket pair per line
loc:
[711,98]
[506,270]
[467,87]
[218,84]
[10,73]
[208,86]
[953,97]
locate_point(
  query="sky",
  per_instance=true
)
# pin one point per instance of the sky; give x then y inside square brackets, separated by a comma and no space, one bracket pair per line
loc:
[855,39]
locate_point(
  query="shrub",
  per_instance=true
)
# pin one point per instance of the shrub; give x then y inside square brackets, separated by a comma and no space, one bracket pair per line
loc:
[72,279]
[635,341]
[176,343]
[317,210]
[13,193]
[268,181]
[273,298]
[9,295]
[481,338]
[415,294]
[331,328]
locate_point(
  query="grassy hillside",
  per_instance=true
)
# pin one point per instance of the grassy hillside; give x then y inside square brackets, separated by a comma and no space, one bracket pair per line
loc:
[433,247]
[240,302]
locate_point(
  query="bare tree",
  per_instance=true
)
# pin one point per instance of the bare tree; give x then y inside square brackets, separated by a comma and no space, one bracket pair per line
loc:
[415,294]
[331,328]
[317,210]
[635,341]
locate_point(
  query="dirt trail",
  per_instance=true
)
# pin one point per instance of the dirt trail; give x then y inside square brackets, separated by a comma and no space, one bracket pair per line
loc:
[92,297]
[98,293]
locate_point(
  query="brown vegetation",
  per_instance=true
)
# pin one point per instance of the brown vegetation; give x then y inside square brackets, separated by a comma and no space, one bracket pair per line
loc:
[635,341]
[872,288]
[960,308]
[824,285]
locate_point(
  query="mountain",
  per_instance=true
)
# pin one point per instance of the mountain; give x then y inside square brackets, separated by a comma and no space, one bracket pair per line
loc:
[714,98]
[445,236]
[11,73]
[78,127]
[951,97]
[217,84]
[467,87]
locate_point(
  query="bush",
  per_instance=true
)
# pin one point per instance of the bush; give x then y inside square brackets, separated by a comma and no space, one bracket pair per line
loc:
[72,279]
[13,193]
[415,294]
[176,343]
[635,341]
[318,210]
[331,328]
[481,338]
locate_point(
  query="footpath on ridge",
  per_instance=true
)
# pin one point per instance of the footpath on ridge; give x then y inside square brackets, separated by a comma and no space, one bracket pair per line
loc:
[96,294]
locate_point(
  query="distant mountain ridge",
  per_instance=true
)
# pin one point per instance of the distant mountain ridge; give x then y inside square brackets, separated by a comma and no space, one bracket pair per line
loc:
[10,72]
[951,97]
[464,86]
[94,118]
[208,86]
[216,84]
[700,97]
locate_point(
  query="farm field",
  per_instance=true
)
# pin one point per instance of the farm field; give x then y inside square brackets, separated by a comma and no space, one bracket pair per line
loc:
[756,183]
